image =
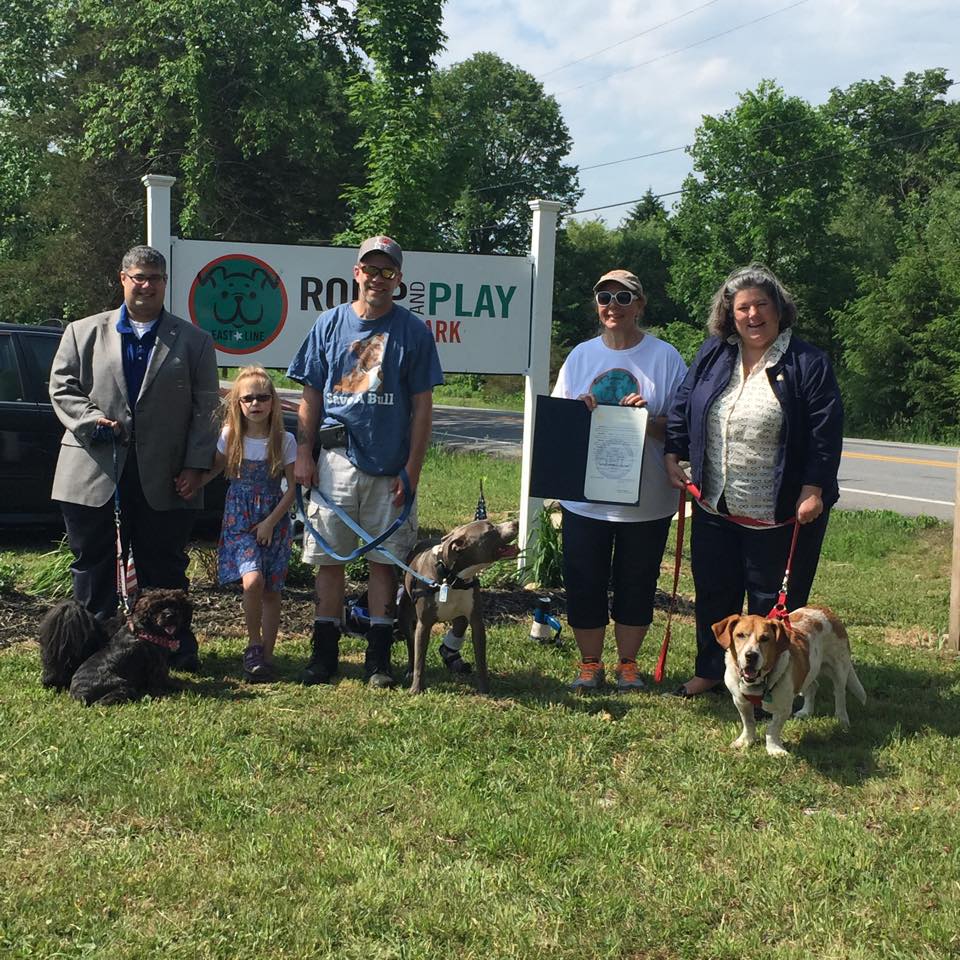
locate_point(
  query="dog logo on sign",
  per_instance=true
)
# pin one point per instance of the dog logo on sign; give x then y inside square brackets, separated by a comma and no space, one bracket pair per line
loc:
[240,301]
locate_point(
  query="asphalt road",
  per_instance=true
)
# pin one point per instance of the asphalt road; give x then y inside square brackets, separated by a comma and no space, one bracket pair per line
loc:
[907,478]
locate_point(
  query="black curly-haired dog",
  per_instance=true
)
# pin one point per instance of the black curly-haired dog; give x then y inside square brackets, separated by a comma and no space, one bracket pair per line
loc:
[78,653]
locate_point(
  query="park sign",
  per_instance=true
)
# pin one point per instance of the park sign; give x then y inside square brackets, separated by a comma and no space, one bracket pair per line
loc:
[259,301]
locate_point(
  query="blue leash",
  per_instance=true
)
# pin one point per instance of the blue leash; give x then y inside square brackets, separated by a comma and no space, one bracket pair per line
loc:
[369,543]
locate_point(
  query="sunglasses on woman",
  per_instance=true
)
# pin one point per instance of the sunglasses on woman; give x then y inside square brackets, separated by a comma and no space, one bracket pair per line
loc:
[623,297]
[259,397]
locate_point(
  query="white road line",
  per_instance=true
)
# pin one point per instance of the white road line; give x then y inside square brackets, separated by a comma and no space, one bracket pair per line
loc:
[896,496]
[477,440]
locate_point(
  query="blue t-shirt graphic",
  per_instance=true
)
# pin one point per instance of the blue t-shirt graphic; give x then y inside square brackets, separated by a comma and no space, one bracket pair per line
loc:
[367,371]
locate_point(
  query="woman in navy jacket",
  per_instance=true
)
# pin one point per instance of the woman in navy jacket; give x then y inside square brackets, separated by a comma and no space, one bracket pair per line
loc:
[760,420]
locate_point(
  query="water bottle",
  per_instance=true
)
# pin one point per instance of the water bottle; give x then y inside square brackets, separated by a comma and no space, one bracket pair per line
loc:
[545,627]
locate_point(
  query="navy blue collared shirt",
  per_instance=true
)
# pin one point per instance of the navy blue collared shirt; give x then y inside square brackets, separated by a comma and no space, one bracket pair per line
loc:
[136,355]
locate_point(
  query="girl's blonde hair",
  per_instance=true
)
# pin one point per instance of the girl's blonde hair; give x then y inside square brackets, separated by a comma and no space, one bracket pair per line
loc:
[236,424]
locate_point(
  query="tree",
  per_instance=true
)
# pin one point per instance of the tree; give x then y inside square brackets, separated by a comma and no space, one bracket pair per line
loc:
[769,176]
[648,208]
[502,143]
[902,142]
[392,107]
[242,104]
[901,336]
[585,251]
[901,139]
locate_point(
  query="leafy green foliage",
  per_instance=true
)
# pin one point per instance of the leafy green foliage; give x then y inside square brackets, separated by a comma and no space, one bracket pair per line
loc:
[543,559]
[392,110]
[901,336]
[11,572]
[50,578]
[502,142]
[769,181]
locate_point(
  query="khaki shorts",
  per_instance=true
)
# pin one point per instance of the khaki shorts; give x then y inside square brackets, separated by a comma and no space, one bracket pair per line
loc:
[365,499]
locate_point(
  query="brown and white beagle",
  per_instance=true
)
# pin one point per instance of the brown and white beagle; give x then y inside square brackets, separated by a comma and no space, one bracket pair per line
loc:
[769,663]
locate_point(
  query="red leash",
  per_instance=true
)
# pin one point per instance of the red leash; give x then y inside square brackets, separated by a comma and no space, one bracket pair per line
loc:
[779,611]
[677,557]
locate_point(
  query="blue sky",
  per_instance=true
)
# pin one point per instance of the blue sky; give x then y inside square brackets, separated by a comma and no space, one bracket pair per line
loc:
[651,84]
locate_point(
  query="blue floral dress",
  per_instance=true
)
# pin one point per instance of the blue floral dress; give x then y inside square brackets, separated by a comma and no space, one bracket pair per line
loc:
[251,497]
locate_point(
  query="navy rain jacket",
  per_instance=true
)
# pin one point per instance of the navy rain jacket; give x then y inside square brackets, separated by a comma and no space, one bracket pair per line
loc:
[812,437]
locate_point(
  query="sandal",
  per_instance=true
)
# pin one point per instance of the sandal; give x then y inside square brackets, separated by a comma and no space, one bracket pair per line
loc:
[685,694]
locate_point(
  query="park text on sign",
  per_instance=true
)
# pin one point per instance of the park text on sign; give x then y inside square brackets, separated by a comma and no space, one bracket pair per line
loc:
[259,301]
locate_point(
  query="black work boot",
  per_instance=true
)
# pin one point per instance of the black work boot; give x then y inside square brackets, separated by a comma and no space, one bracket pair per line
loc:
[322,667]
[376,666]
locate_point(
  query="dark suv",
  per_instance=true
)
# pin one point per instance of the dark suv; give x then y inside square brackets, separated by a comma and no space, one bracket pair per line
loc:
[30,431]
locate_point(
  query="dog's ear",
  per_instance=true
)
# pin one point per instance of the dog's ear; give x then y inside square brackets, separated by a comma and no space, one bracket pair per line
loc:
[783,636]
[723,630]
[452,545]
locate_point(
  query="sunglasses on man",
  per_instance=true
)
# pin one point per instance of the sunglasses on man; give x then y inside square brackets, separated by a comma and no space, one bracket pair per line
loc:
[623,297]
[388,273]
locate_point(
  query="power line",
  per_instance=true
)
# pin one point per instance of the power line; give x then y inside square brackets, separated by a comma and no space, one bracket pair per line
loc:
[639,156]
[689,46]
[620,43]
[781,166]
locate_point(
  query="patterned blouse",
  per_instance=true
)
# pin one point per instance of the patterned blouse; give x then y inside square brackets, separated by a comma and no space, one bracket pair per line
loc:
[743,432]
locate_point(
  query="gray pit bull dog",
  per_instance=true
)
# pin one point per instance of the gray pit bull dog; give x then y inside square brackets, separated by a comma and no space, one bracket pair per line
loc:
[453,563]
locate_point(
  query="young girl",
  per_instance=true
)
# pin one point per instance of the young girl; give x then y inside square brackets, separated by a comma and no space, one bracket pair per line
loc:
[256,452]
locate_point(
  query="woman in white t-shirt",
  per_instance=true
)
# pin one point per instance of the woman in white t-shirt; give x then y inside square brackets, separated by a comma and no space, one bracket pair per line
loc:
[604,543]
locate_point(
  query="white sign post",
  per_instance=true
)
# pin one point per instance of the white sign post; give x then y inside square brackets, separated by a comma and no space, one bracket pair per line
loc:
[543,241]
[488,314]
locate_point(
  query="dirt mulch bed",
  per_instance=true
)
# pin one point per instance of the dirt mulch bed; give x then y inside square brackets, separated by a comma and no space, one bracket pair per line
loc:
[217,610]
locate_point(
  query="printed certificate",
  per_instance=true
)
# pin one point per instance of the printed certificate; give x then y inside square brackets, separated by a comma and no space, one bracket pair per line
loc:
[615,454]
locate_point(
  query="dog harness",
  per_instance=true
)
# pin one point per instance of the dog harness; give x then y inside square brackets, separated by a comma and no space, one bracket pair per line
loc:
[448,580]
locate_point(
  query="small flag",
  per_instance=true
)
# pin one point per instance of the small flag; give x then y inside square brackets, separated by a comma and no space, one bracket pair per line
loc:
[481,513]
[126,576]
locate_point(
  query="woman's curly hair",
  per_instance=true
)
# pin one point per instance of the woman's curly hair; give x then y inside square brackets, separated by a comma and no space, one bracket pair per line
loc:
[720,320]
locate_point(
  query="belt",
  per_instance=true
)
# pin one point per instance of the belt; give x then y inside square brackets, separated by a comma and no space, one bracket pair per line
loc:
[332,437]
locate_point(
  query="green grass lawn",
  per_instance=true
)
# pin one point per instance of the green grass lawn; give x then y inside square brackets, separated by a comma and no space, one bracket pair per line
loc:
[233,821]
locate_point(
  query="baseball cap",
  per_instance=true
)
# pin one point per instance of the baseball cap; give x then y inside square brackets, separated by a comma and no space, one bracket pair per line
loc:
[385,245]
[625,278]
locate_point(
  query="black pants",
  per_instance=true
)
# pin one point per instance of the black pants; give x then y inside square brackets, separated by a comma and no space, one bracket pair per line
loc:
[158,538]
[729,561]
[598,554]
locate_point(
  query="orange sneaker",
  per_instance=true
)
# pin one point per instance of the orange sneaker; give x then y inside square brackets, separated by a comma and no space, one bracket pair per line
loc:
[589,677]
[628,677]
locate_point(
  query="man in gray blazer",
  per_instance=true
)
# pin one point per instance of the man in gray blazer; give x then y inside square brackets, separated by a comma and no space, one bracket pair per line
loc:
[143,383]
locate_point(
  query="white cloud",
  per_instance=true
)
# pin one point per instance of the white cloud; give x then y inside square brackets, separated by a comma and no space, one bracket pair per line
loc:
[651,106]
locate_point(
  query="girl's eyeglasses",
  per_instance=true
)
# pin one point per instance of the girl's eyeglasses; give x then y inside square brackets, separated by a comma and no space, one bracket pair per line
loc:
[623,297]
[388,273]
[259,397]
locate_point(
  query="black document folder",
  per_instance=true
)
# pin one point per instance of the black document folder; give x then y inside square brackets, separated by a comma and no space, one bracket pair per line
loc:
[560,446]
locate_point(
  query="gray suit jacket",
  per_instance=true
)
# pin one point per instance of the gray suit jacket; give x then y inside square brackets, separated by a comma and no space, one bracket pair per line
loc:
[175,412]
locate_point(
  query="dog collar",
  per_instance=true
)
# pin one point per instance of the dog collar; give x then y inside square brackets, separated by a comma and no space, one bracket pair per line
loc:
[159,639]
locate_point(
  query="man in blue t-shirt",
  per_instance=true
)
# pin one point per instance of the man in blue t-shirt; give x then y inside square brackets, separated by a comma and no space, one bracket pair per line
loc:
[369,366]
